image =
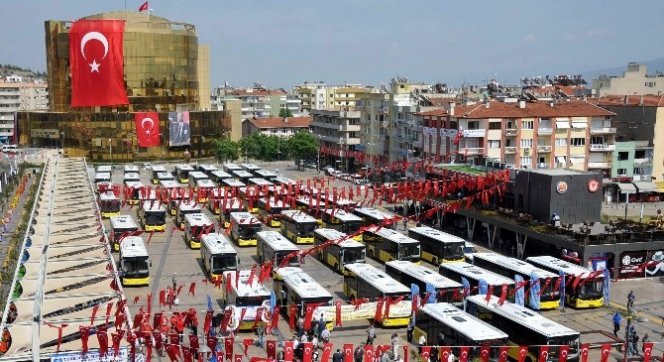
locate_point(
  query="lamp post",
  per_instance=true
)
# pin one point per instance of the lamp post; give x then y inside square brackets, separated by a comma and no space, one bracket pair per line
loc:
[203,352]
[62,144]
[110,151]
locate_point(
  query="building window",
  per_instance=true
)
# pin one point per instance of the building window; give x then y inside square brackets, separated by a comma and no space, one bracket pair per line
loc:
[638,171]
[527,124]
[651,84]
[622,172]
[494,125]
[494,144]
[597,140]
[580,141]
[561,142]
[526,161]
[623,156]
[473,125]
[527,143]
[640,154]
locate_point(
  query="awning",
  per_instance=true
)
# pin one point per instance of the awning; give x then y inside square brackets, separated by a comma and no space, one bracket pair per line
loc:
[579,124]
[562,124]
[645,186]
[627,188]
[660,186]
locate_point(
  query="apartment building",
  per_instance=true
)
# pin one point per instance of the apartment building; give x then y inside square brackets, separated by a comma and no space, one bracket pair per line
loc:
[635,80]
[318,95]
[339,130]
[405,131]
[17,94]
[561,133]
[374,108]
[257,101]
[275,126]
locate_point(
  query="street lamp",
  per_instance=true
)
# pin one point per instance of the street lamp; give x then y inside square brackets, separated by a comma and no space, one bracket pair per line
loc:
[62,144]
[110,151]
[203,352]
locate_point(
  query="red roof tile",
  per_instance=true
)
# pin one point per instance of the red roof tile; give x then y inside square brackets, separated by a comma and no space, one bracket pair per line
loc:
[440,112]
[497,109]
[278,122]
[648,100]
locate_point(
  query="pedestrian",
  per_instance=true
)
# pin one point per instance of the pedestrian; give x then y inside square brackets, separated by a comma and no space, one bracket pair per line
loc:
[314,341]
[405,223]
[175,282]
[645,340]
[616,323]
[194,323]
[451,357]
[260,331]
[316,331]
[180,326]
[338,356]
[371,334]
[304,338]
[441,338]
[359,353]
[395,343]
[322,323]
[300,326]
[384,357]
[630,299]
[410,329]
[421,343]
[325,336]
[434,357]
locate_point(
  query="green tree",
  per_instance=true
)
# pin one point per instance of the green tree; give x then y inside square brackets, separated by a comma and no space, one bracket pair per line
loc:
[285,112]
[226,150]
[303,146]
[250,147]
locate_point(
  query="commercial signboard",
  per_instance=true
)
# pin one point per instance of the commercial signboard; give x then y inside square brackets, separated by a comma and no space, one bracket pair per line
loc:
[640,264]
[45,133]
[91,356]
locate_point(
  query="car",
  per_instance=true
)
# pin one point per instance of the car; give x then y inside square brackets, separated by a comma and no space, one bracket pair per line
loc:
[329,171]
[147,166]
[468,251]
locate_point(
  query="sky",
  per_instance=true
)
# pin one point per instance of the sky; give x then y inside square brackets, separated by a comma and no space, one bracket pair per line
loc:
[281,43]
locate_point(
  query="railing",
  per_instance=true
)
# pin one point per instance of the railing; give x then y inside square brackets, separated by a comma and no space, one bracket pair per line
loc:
[602,130]
[602,147]
[474,133]
[510,149]
[350,128]
[544,131]
[599,164]
[511,132]
[642,161]
[472,151]
[543,148]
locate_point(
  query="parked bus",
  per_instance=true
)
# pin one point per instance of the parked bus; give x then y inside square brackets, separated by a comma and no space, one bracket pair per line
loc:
[459,329]
[244,228]
[250,297]
[104,169]
[257,181]
[134,262]
[164,176]
[407,273]
[343,221]
[250,167]
[134,191]
[293,286]
[233,183]
[182,173]
[195,226]
[509,267]
[120,225]
[272,246]
[526,328]
[194,177]
[153,216]
[230,167]
[186,207]
[269,212]
[340,253]
[266,174]
[298,226]
[371,216]
[148,196]
[589,292]
[204,188]
[207,169]
[173,192]
[307,204]
[242,176]
[102,177]
[385,244]
[219,175]
[131,177]
[437,246]
[218,255]
[109,204]
[250,197]
[283,182]
[131,169]
[156,170]
[232,205]
[473,274]
[366,281]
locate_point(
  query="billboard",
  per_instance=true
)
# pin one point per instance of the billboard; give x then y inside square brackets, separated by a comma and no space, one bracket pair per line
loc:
[179,129]
[639,264]
[92,356]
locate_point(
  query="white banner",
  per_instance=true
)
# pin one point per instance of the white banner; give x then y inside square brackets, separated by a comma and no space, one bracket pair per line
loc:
[91,356]
[365,311]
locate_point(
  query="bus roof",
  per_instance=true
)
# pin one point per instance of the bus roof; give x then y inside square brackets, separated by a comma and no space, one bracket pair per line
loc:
[553,263]
[516,265]
[244,218]
[250,166]
[218,244]
[378,278]
[436,234]
[472,327]
[260,181]
[132,247]
[232,167]
[197,219]
[198,175]
[288,270]
[165,176]
[527,318]
[476,273]
[206,167]
[123,222]
[332,234]
[265,173]
[169,184]
[130,168]
[102,176]
[205,183]
[298,216]
[153,207]
[132,176]
[273,202]
[243,289]
[304,285]
[158,168]
[375,213]
[284,180]
[189,205]
[184,167]
[423,274]
[340,201]
[150,195]
[104,168]
[277,241]
[343,215]
[392,235]
[231,182]
[233,203]
[242,173]
[134,184]
[107,196]
[220,174]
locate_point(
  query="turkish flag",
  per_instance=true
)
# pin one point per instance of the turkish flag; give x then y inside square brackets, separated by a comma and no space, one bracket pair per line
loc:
[85,333]
[96,63]
[247,342]
[238,358]
[228,346]
[288,350]
[292,316]
[647,351]
[426,352]
[271,349]
[308,351]
[544,354]
[523,350]
[327,351]
[503,355]
[584,352]
[606,350]
[219,356]
[143,7]
[485,351]
[564,352]
[445,353]
[463,354]
[368,352]
[348,352]
[147,128]
[337,307]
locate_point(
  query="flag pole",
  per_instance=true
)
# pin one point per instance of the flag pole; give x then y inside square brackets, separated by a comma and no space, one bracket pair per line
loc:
[125,3]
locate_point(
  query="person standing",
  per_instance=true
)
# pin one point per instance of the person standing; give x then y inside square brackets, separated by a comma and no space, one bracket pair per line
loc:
[421,343]
[338,356]
[410,329]
[359,353]
[322,324]
[300,326]
[325,336]
[371,334]
[645,340]
[630,299]
[616,323]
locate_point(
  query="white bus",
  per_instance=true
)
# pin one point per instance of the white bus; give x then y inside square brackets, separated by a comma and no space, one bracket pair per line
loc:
[102,177]
[195,226]
[195,176]
[473,274]
[385,244]
[204,189]
[174,191]
[207,169]
[459,329]
[341,252]
[131,169]
[218,255]
[283,181]
[252,297]
[104,169]
[219,175]
[185,208]
[224,209]
[343,221]
[230,167]
[109,204]
[164,176]
[232,183]
[153,216]
[269,212]
[509,267]
[131,176]
[266,174]
[242,176]
[371,216]
[182,173]
[259,182]
[272,246]
[244,229]
[589,293]
[120,225]
[134,190]
[250,167]
[298,227]
[407,273]
[367,281]
[526,328]
[134,262]
[437,246]
[293,286]
[156,170]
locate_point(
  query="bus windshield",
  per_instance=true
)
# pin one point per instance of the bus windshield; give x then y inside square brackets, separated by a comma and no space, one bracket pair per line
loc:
[350,227]
[571,341]
[155,218]
[454,250]
[135,266]
[223,263]
[280,255]
[110,206]
[591,289]
[249,230]
[306,228]
[354,255]
[409,250]
[249,301]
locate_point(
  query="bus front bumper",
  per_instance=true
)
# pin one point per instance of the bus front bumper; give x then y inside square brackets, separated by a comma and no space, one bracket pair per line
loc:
[194,244]
[591,303]
[136,281]
[395,322]
[108,215]
[246,242]
[304,240]
[161,227]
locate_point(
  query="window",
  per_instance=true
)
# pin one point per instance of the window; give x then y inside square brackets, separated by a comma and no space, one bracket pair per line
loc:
[640,154]
[527,143]
[494,125]
[527,124]
[543,142]
[596,140]
[474,125]
[578,141]
[651,84]
[494,144]
[561,142]
[443,141]
[526,161]
[623,156]
[561,160]
[622,172]
[638,171]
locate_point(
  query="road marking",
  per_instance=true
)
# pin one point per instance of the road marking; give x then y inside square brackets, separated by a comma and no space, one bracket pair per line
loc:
[648,316]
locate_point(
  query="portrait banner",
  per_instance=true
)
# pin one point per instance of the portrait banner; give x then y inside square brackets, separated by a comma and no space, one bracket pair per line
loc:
[179,129]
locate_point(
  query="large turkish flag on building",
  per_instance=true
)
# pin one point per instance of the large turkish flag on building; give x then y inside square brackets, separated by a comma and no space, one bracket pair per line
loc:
[96,63]
[147,128]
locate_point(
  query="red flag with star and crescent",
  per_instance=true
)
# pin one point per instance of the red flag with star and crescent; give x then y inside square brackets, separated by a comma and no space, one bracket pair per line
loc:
[147,128]
[96,63]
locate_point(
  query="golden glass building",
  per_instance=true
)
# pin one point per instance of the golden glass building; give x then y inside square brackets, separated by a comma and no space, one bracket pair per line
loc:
[165,70]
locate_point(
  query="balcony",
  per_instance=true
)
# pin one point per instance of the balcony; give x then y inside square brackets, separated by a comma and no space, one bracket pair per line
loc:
[417,144]
[338,140]
[602,148]
[334,126]
[510,150]
[602,130]
[543,149]
[474,133]
[599,165]
[544,131]
[472,151]
[350,128]
[510,132]
[643,162]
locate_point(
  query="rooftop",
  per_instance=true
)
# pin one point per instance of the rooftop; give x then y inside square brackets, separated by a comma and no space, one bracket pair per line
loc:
[648,100]
[279,122]
[559,171]
[539,109]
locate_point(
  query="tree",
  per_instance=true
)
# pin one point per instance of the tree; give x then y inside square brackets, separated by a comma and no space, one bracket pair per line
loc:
[285,112]
[303,146]
[250,147]
[226,150]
